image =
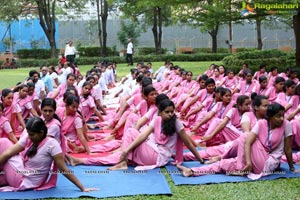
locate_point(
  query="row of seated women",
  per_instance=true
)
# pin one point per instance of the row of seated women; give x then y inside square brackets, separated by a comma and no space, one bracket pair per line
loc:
[146,126]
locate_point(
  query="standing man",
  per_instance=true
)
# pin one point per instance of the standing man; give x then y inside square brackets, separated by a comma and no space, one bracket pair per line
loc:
[129,52]
[70,52]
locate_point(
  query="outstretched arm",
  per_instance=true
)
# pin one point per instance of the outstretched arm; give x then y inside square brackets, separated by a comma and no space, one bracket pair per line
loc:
[59,161]
[249,141]
[288,152]
[140,138]
[204,120]
[11,151]
[216,130]
[188,142]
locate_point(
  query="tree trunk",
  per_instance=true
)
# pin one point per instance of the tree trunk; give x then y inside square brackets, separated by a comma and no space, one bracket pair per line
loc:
[296,25]
[214,34]
[230,37]
[99,27]
[154,30]
[104,15]
[47,22]
[160,29]
[258,32]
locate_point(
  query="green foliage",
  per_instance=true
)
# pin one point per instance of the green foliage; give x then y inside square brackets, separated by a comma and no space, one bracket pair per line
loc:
[10,10]
[255,58]
[34,44]
[7,41]
[129,30]
[208,50]
[238,50]
[141,58]
[149,50]
[25,63]
[35,53]
[95,51]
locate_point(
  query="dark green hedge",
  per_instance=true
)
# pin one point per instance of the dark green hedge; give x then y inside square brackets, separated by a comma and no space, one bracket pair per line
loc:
[36,62]
[238,50]
[208,50]
[149,50]
[35,53]
[254,59]
[222,50]
[95,51]
[147,58]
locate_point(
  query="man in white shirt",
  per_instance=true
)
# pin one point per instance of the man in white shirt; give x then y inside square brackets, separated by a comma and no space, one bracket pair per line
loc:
[39,84]
[70,52]
[129,52]
[45,77]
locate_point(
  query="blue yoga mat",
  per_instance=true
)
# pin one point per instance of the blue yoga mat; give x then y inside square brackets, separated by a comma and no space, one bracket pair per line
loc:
[110,184]
[178,179]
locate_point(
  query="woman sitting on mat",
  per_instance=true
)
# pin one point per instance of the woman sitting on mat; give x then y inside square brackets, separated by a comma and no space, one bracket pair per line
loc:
[151,148]
[260,153]
[30,168]
[73,126]
[5,128]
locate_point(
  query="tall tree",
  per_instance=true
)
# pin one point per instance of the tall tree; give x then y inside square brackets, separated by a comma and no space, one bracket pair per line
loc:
[46,12]
[206,14]
[129,30]
[148,12]
[44,9]
[47,16]
[102,14]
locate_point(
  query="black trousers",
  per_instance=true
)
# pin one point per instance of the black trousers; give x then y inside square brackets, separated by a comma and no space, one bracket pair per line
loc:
[70,58]
[129,59]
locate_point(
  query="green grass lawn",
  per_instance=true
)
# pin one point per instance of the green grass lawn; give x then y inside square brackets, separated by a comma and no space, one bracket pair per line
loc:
[276,189]
[9,77]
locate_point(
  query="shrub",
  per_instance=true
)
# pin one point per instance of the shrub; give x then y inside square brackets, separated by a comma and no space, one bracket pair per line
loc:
[238,50]
[142,58]
[95,51]
[36,62]
[35,53]
[149,50]
[208,50]
[254,59]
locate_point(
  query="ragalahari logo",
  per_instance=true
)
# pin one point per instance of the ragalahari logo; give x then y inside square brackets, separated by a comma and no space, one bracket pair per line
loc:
[247,9]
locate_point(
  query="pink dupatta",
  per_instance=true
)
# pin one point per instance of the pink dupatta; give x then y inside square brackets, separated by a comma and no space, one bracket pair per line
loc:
[2,121]
[162,139]
[264,137]
[50,180]
[67,124]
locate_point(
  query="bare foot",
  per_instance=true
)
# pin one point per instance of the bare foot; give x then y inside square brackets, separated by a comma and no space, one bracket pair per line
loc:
[117,150]
[91,137]
[79,149]
[109,137]
[121,165]
[74,161]
[107,127]
[202,144]
[92,126]
[186,172]
[213,159]
[192,133]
